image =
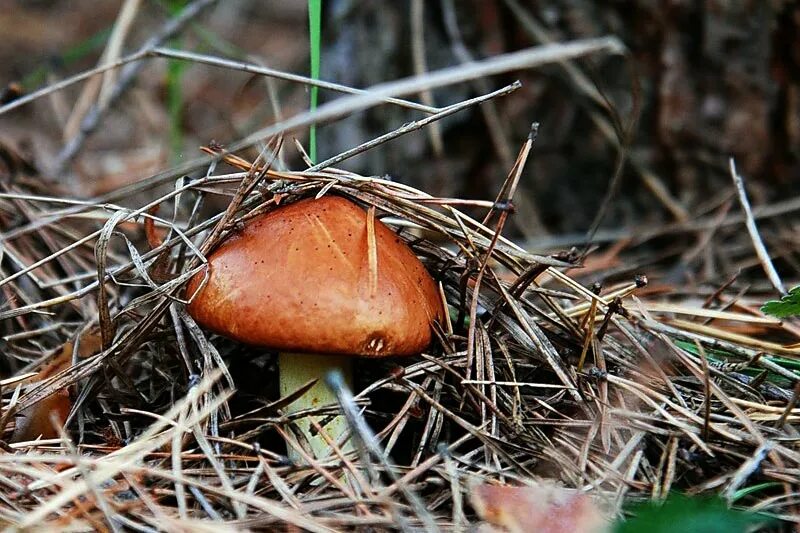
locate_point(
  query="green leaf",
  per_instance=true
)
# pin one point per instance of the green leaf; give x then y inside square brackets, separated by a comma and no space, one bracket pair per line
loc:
[315,38]
[175,70]
[175,104]
[747,491]
[787,306]
[689,515]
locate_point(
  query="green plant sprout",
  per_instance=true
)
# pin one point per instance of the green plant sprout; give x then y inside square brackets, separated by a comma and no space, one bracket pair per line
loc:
[175,70]
[787,306]
[315,41]
[680,513]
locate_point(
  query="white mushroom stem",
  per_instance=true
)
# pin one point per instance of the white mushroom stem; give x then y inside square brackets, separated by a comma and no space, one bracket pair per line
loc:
[297,369]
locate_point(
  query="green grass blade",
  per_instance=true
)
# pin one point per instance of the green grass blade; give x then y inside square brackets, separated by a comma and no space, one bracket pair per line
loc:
[315,39]
[175,106]
[175,70]
[741,493]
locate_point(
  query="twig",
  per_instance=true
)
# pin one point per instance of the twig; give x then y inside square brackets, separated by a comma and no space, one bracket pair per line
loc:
[367,440]
[417,15]
[100,87]
[750,222]
[281,75]
[747,468]
[126,78]
[490,115]
[413,126]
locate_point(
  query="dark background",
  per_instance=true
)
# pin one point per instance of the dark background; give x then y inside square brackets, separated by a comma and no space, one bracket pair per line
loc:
[709,80]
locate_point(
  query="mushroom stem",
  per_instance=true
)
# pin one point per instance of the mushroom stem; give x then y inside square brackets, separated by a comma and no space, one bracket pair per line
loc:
[297,369]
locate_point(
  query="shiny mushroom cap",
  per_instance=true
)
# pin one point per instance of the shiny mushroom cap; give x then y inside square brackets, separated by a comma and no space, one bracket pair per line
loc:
[319,276]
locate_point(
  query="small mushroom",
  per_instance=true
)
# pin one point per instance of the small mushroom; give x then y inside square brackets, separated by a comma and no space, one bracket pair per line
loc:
[36,421]
[319,281]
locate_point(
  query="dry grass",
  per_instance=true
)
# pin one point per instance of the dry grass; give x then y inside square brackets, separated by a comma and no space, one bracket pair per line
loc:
[621,393]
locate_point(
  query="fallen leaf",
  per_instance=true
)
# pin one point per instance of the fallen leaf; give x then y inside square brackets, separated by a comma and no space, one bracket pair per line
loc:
[37,420]
[540,508]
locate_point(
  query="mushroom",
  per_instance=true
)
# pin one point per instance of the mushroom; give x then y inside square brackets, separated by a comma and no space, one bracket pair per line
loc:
[36,421]
[319,281]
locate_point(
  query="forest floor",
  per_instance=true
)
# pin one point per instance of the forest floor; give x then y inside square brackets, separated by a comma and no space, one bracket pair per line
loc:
[606,198]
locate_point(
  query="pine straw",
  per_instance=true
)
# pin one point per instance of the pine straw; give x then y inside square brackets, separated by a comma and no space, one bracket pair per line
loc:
[157,440]
[533,376]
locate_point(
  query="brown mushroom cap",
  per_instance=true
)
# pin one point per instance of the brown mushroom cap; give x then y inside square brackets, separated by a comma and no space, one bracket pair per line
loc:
[35,421]
[300,279]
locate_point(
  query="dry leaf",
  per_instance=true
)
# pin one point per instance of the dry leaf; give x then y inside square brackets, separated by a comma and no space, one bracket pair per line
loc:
[36,421]
[541,508]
